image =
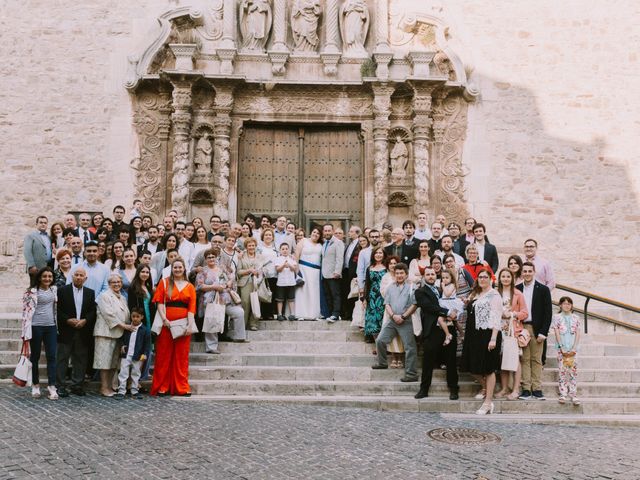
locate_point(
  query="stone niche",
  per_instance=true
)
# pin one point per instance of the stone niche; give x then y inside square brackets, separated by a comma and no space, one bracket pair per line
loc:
[210,71]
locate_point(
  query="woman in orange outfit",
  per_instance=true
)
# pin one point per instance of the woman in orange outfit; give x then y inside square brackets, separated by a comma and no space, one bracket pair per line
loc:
[176,299]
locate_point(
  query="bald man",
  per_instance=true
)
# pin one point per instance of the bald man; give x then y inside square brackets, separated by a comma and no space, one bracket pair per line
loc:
[76,319]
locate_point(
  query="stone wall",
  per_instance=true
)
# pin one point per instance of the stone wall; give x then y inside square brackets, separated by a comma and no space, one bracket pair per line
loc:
[550,143]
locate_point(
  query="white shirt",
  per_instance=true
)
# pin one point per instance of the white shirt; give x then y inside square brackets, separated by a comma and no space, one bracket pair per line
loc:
[527,290]
[132,342]
[152,247]
[186,251]
[348,252]
[480,247]
[286,277]
[364,260]
[77,299]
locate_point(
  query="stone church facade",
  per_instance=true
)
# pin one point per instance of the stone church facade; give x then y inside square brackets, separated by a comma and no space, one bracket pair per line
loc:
[353,111]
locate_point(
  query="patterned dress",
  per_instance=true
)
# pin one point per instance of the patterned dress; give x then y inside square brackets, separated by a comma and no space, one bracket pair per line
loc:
[567,327]
[375,303]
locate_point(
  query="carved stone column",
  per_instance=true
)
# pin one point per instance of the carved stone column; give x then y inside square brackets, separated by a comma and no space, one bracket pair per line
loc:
[382,53]
[330,53]
[381,123]
[421,127]
[227,51]
[222,154]
[279,53]
[181,121]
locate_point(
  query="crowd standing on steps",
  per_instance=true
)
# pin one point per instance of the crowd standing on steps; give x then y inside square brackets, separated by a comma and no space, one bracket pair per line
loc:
[106,295]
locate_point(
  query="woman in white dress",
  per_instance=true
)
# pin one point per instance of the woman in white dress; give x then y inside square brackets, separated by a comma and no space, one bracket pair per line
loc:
[308,253]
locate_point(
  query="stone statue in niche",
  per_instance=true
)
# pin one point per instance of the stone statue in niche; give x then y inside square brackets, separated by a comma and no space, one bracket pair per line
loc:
[354,26]
[399,159]
[202,157]
[304,25]
[255,24]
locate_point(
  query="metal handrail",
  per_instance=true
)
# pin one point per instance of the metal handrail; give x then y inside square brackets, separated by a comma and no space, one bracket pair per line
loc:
[591,296]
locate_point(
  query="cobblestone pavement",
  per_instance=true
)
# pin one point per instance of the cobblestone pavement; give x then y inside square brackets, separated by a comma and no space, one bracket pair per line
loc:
[169,438]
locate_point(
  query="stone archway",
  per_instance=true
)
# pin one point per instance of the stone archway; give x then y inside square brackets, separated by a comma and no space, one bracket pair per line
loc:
[200,83]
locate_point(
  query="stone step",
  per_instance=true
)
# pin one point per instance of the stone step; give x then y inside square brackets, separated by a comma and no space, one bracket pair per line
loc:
[562,418]
[438,404]
[302,387]
[364,374]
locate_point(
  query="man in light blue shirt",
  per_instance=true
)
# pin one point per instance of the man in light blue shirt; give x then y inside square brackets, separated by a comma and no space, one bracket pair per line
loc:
[364,259]
[97,273]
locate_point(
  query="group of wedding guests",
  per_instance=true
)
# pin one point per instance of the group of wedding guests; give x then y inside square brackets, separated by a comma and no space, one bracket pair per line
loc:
[100,287]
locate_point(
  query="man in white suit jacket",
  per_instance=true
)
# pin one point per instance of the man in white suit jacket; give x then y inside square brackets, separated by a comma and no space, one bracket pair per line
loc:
[332,260]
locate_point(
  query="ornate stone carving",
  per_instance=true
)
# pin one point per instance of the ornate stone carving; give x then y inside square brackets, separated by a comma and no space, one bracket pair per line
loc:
[421,165]
[255,24]
[184,53]
[279,53]
[399,199]
[305,15]
[382,109]
[213,26]
[224,101]
[181,120]
[444,66]
[451,111]
[354,26]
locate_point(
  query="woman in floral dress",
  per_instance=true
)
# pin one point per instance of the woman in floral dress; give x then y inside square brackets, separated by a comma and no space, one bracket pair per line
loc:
[374,309]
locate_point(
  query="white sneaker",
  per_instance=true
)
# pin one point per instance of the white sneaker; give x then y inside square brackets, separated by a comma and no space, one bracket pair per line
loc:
[53,393]
[332,319]
[35,392]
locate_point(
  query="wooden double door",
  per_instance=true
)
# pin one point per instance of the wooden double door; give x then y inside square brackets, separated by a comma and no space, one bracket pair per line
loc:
[312,175]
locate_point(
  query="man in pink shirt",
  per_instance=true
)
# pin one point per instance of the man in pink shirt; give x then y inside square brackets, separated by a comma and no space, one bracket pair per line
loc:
[544,272]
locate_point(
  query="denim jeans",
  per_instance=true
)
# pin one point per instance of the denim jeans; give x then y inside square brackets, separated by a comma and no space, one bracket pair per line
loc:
[48,335]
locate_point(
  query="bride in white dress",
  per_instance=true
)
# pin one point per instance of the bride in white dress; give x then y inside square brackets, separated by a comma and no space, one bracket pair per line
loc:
[308,255]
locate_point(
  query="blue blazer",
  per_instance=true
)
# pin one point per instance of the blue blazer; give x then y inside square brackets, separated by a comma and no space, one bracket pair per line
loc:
[143,343]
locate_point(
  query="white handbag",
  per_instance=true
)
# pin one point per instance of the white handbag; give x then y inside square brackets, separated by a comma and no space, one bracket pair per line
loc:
[354,291]
[22,374]
[357,318]
[255,304]
[178,328]
[214,314]
[510,351]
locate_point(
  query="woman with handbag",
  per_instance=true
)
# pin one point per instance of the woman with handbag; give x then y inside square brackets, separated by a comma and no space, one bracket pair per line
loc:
[214,285]
[513,313]
[112,319]
[39,326]
[267,248]
[249,276]
[175,299]
[481,352]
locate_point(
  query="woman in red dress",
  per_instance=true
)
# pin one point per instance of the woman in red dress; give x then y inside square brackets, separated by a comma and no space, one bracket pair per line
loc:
[176,300]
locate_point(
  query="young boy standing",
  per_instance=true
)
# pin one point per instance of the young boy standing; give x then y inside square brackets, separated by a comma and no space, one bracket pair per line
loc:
[286,267]
[135,350]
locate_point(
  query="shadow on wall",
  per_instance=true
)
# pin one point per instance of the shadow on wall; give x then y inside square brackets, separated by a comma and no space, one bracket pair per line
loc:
[580,204]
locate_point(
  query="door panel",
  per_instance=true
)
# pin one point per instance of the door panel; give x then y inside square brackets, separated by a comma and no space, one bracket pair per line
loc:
[269,171]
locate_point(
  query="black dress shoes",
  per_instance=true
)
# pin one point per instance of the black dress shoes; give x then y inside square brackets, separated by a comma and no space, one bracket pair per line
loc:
[63,392]
[377,366]
[453,395]
[78,391]
[421,394]
[408,378]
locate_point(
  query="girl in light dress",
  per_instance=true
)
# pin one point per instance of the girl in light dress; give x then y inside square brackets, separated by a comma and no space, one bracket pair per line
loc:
[566,327]
[450,301]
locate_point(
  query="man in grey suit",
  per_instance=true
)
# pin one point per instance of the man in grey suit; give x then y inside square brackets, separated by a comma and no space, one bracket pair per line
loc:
[332,260]
[37,247]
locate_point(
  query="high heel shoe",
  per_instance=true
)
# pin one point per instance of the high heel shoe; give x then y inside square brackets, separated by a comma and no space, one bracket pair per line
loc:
[480,395]
[485,409]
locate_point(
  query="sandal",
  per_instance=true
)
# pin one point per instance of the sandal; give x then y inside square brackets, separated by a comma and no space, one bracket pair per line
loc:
[480,395]
[447,340]
[562,400]
[513,396]
[501,394]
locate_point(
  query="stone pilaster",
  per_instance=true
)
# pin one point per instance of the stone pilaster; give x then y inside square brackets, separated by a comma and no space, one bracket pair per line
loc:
[181,122]
[279,53]
[381,123]
[222,153]
[227,51]
[330,53]
[421,127]
[382,52]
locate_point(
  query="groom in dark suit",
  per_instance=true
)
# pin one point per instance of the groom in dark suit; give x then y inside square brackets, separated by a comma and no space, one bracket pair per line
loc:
[433,336]
[76,319]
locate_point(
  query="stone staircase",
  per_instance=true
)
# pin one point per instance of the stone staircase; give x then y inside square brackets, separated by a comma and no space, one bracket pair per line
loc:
[329,364]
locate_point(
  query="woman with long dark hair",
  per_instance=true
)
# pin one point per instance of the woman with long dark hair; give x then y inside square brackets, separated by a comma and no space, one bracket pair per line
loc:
[159,259]
[374,301]
[39,326]
[308,255]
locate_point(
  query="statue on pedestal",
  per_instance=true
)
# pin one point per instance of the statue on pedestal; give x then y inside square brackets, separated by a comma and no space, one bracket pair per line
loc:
[304,25]
[202,158]
[255,24]
[399,159]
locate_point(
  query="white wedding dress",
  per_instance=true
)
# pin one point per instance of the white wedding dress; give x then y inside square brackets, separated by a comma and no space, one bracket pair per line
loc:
[308,295]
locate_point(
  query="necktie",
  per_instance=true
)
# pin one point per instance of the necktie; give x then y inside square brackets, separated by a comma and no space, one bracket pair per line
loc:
[76,259]
[86,237]
[326,244]
[435,290]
